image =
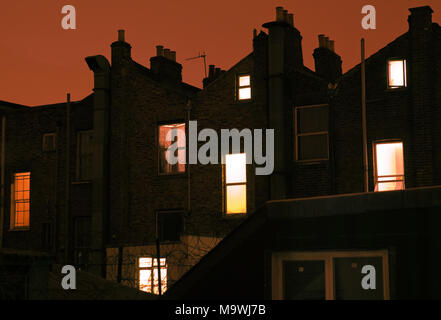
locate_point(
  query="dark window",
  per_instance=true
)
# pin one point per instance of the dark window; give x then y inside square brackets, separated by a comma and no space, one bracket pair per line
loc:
[348,275]
[304,280]
[82,234]
[85,155]
[311,133]
[49,142]
[170,226]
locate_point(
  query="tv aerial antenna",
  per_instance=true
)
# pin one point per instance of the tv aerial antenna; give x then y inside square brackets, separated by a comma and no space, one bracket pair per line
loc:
[203,56]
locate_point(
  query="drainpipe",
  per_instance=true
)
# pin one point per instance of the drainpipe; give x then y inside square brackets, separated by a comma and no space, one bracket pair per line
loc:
[363,117]
[2,182]
[101,69]
[188,164]
[67,242]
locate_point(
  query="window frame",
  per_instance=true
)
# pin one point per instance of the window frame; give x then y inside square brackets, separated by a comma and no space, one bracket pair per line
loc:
[238,87]
[277,259]
[297,135]
[375,166]
[78,157]
[394,88]
[45,135]
[158,147]
[13,213]
[224,189]
[152,268]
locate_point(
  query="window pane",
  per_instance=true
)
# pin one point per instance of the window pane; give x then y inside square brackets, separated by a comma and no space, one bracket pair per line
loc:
[22,199]
[313,119]
[170,225]
[304,280]
[348,278]
[397,73]
[145,280]
[145,262]
[390,166]
[313,147]
[235,168]
[178,131]
[244,81]
[236,199]
[244,93]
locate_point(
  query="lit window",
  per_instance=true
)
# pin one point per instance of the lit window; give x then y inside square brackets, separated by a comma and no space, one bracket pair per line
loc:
[166,132]
[311,133]
[244,87]
[20,200]
[85,155]
[389,166]
[148,275]
[397,74]
[236,183]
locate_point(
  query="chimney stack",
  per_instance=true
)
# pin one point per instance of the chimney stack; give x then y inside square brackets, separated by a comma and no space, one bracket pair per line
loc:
[213,73]
[420,19]
[327,62]
[165,65]
[121,50]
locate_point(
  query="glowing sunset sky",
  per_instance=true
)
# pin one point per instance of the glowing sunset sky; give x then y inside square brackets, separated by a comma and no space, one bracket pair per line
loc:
[40,62]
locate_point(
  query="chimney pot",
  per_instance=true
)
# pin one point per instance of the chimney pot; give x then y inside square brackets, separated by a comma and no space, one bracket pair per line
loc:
[327,42]
[331,45]
[121,35]
[167,53]
[159,51]
[291,19]
[211,71]
[173,55]
[279,13]
[321,38]
[285,15]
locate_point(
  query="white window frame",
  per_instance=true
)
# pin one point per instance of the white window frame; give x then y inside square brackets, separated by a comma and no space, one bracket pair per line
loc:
[297,135]
[152,269]
[277,259]
[244,87]
[404,75]
[376,177]
[224,189]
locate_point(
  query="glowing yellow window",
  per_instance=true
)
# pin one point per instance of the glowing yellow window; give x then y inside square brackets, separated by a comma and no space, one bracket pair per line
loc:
[244,87]
[148,275]
[397,74]
[20,200]
[389,166]
[236,183]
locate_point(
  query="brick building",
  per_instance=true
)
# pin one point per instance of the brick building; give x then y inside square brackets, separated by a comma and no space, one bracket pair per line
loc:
[87,181]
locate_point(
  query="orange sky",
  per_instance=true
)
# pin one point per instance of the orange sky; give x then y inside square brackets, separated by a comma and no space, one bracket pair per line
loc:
[40,62]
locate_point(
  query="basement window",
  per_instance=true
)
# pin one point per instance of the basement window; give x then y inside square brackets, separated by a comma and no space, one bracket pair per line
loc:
[389,166]
[148,274]
[311,133]
[172,134]
[397,77]
[235,183]
[20,200]
[244,87]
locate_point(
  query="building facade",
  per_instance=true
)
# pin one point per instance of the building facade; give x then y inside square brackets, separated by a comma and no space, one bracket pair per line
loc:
[89,181]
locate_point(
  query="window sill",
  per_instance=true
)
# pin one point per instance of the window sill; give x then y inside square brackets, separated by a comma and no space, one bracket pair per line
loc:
[397,89]
[310,162]
[234,215]
[20,229]
[81,182]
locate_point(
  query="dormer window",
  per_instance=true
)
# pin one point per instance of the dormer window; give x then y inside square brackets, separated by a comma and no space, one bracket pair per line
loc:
[244,87]
[397,77]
